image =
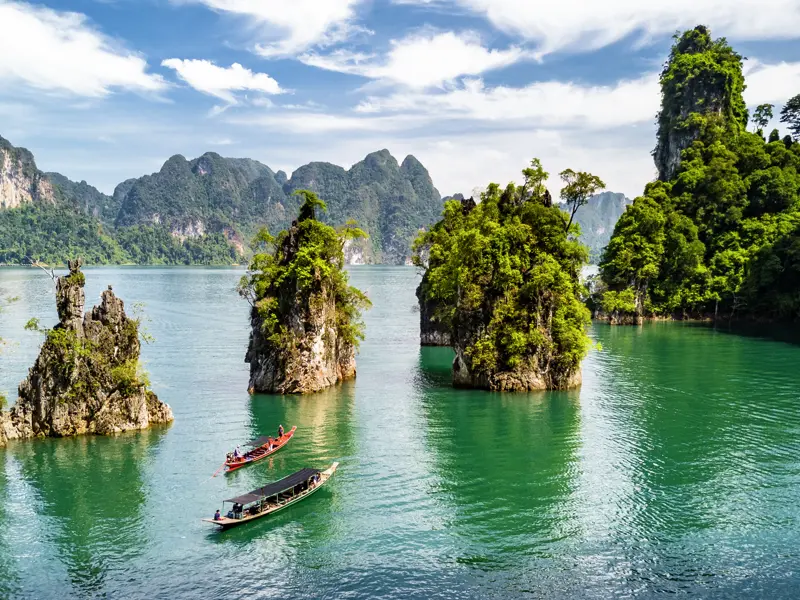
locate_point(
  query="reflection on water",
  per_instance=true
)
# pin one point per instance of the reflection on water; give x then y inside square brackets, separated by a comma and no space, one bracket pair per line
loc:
[89,491]
[674,469]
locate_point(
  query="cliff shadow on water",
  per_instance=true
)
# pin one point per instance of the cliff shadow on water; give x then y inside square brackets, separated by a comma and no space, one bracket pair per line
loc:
[788,333]
[504,465]
[83,503]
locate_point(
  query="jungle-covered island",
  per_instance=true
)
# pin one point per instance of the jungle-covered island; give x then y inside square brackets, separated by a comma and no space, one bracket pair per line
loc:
[501,284]
[718,234]
[87,378]
[305,317]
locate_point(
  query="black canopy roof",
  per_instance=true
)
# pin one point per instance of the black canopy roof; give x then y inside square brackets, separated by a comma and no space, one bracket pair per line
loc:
[259,441]
[271,489]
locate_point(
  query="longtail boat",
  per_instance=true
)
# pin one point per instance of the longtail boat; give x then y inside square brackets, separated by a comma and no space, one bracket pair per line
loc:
[262,447]
[273,497]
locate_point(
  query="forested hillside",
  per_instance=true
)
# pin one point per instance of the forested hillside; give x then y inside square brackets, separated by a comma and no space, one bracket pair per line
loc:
[204,210]
[719,232]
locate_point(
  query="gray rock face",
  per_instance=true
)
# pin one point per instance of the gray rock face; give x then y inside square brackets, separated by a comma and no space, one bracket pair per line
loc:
[522,379]
[85,379]
[431,331]
[20,181]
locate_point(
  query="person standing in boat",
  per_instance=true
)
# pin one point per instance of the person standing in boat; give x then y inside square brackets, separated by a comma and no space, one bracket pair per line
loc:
[237,454]
[280,431]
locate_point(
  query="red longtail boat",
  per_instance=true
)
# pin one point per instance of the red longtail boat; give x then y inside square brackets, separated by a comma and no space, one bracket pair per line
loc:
[262,447]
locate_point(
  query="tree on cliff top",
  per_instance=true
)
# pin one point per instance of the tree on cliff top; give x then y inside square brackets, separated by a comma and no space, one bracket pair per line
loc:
[790,114]
[578,188]
[505,278]
[304,264]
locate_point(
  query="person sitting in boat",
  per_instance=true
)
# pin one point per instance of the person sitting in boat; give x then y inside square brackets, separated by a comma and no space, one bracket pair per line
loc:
[217,516]
[280,431]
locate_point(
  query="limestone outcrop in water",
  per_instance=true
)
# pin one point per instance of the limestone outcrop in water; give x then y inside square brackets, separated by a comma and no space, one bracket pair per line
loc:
[305,318]
[502,280]
[87,377]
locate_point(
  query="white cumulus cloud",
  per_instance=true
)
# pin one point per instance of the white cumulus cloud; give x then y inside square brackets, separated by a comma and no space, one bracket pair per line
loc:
[587,25]
[421,60]
[287,27]
[222,82]
[62,52]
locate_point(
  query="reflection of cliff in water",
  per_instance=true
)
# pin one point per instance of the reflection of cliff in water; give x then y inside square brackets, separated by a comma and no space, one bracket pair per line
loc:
[324,423]
[695,427]
[87,495]
[505,464]
[324,434]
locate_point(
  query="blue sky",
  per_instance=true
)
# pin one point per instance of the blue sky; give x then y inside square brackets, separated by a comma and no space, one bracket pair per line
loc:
[105,90]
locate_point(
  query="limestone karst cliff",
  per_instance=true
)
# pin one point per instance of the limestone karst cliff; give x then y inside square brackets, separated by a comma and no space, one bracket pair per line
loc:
[502,279]
[21,182]
[304,317]
[703,77]
[87,377]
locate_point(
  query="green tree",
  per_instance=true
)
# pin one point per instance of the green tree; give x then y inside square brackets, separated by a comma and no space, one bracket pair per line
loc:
[716,231]
[762,116]
[790,114]
[578,188]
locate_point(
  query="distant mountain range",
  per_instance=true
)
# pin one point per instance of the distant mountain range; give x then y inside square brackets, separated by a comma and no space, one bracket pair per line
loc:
[597,220]
[206,210]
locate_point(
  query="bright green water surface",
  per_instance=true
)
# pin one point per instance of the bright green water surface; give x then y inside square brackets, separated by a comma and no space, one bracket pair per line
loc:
[675,469]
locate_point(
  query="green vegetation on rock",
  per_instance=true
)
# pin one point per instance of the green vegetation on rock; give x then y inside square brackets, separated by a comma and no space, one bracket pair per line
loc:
[503,275]
[719,233]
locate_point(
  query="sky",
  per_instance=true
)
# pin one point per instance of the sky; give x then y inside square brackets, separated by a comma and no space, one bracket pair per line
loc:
[106,90]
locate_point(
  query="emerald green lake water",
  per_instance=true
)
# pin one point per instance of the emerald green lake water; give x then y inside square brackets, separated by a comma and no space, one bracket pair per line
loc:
[675,469]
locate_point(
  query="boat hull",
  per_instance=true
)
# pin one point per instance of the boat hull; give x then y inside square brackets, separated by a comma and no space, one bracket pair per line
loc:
[231,467]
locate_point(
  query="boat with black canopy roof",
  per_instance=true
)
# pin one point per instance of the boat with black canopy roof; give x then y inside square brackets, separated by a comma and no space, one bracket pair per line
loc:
[272,497]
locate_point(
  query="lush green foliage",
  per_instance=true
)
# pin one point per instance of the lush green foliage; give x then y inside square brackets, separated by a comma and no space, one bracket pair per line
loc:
[504,275]
[703,76]
[53,235]
[304,267]
[721,234]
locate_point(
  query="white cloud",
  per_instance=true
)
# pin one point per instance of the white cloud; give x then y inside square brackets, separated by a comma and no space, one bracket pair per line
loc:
[586,25]
[221,82]
[772,84]
[421,60]
[545,104]
[288,27]
[62,52]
